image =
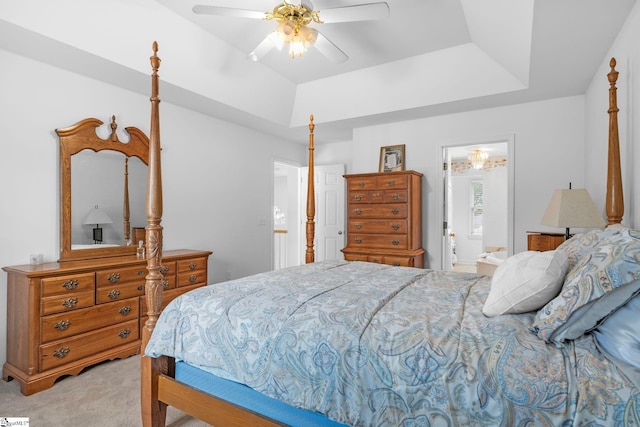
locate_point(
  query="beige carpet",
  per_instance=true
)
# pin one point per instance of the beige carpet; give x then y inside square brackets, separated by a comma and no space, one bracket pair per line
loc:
[107,394]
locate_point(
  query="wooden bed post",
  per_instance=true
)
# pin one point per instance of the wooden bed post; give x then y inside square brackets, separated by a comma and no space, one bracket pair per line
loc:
[615,197]
[311,198]
[153,411]
[125,206]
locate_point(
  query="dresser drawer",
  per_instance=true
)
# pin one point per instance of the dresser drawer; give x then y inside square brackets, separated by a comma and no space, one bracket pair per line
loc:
[386,241]
[68,302]
[68,350]
[188,265]
[394,196]
[188,278]
[391,210]
[362,183]
[67,284]
[121,275]
[63,325]
[544,242]
[378,226]
[393,182]
[112,293]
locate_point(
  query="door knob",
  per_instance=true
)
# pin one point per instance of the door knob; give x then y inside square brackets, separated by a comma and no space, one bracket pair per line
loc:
[339,233]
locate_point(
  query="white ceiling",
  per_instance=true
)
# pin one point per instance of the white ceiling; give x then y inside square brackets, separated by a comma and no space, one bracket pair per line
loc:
[430,57]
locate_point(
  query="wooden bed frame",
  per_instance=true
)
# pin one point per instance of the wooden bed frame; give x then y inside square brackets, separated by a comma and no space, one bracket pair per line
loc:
[159,388]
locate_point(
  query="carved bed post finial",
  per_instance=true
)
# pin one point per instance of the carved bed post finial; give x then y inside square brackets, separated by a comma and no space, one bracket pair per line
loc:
[311,202]
[114,126]
[614,197]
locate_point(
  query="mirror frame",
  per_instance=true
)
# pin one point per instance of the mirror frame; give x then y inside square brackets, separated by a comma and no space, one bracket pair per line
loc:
[74,139]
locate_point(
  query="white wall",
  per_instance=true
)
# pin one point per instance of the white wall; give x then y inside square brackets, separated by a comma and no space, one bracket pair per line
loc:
[626,50]
[215,174]
[548,153]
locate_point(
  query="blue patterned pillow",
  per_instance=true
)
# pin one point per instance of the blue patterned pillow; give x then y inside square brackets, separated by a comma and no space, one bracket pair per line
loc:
[581,244]
[619,334]
[603,280]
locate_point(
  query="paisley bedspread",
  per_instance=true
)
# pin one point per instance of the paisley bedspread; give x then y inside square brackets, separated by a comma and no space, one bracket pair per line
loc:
[374,345]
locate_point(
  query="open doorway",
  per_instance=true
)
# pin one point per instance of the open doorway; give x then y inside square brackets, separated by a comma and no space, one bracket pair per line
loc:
[477,200]
[286,215]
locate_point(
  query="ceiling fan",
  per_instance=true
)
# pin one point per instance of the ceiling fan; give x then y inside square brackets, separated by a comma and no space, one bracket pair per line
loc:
[293,25]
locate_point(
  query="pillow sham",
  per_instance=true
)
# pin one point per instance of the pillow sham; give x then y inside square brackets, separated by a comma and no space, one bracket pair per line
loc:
[579,245]
[525,282]
[603,280]
[619,334]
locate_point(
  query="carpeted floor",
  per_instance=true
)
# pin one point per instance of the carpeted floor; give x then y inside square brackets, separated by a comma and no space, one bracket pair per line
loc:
[107,394]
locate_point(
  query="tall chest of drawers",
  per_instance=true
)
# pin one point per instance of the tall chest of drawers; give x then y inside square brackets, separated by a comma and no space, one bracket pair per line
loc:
[384,218]
[64,317]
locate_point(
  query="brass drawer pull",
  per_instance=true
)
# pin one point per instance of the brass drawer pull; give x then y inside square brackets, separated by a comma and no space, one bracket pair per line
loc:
[396,264]
[70,302]
[358,211]
[358,226]
[193,278]
[140,272]
[395,196]
[165,284]
[62,325]
[361,184]
[113,277]
[124,333]
[395,211]
[392,183]
[70,284]
[125,310]
[395,226]
[114,294]
[164,270]
[61,353]
[141,287]
[357,240]
[358,197]
[395,242]
[193,265]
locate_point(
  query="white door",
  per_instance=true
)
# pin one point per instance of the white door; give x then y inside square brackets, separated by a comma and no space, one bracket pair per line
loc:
[329,219]
[447,247]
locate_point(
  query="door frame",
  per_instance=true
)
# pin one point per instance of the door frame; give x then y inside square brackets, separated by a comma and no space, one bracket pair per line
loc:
[442,198]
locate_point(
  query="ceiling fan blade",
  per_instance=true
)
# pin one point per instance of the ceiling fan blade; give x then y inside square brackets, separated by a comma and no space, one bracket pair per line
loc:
[262,49]
[330,50]
[201,9]
[358,12]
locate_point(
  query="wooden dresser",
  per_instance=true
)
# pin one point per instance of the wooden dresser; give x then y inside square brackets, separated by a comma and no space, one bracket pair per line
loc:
[384,218]
[63,317]
[537,241]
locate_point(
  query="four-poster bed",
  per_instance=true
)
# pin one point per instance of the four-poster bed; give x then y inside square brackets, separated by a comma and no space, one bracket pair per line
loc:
[375,352]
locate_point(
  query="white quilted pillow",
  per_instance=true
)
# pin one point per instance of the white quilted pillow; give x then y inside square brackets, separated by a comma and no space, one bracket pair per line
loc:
[525,282]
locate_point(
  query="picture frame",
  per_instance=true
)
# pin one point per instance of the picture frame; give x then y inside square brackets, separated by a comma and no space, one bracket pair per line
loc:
[391,158]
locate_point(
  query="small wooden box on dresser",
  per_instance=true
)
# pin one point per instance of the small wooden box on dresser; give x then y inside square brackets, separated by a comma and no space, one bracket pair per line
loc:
[63,317]
[384,218]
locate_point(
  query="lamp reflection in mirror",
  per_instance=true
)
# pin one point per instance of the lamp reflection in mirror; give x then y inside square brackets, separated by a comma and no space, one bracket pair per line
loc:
[97,216]
[477,158]
[572,208]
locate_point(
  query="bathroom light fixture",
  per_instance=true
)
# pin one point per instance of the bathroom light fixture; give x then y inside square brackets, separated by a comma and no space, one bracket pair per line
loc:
[477,158]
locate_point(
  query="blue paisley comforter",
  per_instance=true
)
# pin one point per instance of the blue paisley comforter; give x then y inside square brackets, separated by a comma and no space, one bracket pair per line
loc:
[373,345]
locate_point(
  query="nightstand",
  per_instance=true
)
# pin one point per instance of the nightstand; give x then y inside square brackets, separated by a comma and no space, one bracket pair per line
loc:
[542,241]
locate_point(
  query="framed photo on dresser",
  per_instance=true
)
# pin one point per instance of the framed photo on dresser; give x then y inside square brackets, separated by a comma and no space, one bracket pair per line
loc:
[391,158]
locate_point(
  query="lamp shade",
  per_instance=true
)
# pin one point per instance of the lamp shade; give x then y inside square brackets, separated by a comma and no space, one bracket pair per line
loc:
[97,216]
[572,208]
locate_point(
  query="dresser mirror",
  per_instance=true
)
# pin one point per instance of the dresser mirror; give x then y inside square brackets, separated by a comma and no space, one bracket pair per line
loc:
[103,173]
